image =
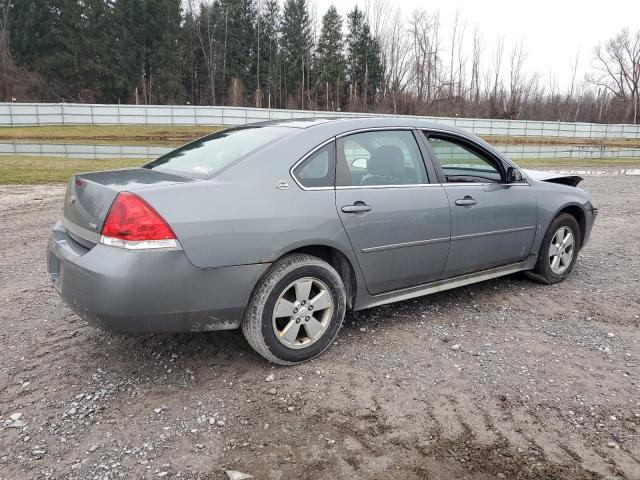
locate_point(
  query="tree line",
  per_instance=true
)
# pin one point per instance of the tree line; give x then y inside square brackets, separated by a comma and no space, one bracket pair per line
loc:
[265,53]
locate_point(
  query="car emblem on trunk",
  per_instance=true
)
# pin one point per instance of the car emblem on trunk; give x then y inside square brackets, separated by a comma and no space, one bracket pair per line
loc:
[282,185]
[93,226]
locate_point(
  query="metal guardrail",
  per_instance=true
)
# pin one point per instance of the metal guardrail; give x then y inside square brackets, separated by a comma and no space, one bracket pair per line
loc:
[13,114]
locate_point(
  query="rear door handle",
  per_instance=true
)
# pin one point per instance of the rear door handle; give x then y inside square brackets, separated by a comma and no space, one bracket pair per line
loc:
[356,208]
[466,201]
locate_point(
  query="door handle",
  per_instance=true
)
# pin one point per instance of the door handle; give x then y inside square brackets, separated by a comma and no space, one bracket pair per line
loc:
[466,201]
[356,208]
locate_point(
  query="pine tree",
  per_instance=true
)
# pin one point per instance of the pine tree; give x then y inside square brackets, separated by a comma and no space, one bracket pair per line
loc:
[102,82]
[364,65]
[163,19]
[296,48]
[63,68]
[193,66]
[146,37]
[30,23]
[330,62]
[269,52]
[129,43]
[240,40]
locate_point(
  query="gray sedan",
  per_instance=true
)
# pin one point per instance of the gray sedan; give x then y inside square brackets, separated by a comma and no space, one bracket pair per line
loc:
[281,227]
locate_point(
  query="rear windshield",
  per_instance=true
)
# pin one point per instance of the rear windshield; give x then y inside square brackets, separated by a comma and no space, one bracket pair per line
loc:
[209,155]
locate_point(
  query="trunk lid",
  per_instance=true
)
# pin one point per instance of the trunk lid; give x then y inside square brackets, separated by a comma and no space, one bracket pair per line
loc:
[90,195]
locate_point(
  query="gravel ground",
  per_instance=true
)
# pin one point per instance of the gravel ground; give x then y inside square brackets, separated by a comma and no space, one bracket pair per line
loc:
[504,379]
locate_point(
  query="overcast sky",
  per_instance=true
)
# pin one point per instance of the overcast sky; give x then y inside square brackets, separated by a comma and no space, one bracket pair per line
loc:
[553,30]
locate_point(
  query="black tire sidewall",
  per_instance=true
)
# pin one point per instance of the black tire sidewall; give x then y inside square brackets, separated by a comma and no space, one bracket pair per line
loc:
[544,268]
[338,297]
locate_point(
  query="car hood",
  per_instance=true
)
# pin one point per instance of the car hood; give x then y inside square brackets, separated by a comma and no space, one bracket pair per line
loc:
[554,177]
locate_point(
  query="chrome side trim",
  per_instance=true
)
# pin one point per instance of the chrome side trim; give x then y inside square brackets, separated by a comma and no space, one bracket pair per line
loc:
[351,187]
[362,187]
[479,184]
[442,285]
[470,184]
[494,232]
[404,245]
[307,155]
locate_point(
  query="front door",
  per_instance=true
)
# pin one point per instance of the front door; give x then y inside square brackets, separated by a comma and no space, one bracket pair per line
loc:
[492,223]
[397,221]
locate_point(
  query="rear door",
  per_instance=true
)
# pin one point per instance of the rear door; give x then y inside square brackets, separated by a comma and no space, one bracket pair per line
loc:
[393,209]
[493,223]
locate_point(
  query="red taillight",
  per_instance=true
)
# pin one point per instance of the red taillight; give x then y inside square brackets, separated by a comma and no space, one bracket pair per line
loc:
[132,219]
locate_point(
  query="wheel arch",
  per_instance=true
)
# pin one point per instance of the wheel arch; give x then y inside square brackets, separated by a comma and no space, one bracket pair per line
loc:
[338,260]
[577,212]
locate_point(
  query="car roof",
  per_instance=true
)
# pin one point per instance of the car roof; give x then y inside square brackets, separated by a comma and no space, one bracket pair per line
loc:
[353,123]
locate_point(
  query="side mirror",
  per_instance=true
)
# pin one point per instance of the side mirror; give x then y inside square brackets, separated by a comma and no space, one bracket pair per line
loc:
[514,175]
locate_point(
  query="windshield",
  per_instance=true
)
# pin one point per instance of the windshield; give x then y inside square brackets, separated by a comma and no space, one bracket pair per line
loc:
[209,155]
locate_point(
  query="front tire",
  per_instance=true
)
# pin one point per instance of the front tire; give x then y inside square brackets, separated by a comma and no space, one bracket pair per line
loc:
[295,310]
[559,250]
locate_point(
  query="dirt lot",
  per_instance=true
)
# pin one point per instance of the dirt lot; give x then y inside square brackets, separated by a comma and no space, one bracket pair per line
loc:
[545,382]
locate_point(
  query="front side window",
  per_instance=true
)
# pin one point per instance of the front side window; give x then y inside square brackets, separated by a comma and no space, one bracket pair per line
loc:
[383,158]
[208,155]
[460,164]
[319,169]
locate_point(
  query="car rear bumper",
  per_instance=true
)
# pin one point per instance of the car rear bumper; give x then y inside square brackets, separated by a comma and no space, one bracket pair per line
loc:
[147,292]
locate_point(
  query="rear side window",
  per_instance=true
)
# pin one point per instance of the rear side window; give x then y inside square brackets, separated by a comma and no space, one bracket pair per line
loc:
[319,169]
[207,156]
[383,157]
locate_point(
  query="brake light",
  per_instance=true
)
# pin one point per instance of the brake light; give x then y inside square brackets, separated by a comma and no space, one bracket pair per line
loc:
[133,224]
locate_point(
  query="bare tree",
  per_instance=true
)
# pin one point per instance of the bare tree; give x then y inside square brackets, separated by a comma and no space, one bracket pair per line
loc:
[475,70]
[617,66]
[461,67]
[495,93]
[569,99]
[519,86]
[454,38]
[379,14]
[397,57]
[420,27]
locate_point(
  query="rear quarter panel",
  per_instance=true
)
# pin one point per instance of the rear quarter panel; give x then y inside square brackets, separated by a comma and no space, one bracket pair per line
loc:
[240,217]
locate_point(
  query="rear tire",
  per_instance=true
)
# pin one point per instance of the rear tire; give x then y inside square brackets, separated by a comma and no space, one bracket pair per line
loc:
[559,250]
[295,310]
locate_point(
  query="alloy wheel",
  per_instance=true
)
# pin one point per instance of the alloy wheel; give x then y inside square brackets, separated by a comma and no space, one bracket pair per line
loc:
[302,313]
[561,250]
